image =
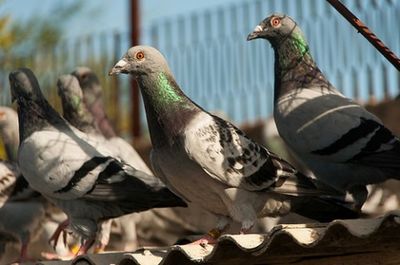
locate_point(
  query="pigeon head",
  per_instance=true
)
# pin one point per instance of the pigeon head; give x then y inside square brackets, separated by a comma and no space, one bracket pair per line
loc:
[140,60]
[88,80]
[276,28]
[24,85]
[69,91]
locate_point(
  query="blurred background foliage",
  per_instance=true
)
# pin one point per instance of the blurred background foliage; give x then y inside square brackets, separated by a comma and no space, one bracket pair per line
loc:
[22,37]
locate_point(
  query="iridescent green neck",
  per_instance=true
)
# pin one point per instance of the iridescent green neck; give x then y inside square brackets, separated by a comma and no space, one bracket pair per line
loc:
[167,92]
[76,113]
[168,109]
[76,107]
[295,67]
[76,103]
[291,51]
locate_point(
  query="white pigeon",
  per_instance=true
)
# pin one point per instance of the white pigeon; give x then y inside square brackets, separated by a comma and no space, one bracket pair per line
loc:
[75,172]
[210,162]
[77,114]
[343,144]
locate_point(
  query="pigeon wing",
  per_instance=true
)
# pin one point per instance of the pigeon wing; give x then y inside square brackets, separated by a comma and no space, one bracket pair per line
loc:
[131,190]
[228,155]
[159,173]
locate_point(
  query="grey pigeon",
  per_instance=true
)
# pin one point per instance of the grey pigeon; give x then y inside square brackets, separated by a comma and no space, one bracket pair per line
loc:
[73,106]
[9,131]
[340,141]
[208,161]
[157,220]
[75,172]
[93,96]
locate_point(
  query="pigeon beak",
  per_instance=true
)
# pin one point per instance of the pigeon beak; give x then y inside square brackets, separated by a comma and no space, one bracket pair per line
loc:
[119,67]
[256,33]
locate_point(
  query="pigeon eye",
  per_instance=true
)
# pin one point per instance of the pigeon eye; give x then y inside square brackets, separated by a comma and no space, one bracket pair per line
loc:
[275,22]
[139,56]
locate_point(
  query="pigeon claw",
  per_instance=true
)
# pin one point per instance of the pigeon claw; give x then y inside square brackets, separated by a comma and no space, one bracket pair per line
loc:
[60,229]
[204,241]
[209,238]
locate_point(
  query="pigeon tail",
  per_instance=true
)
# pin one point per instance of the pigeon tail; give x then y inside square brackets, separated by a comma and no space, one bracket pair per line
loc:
[316,200]
[323,209]
[169,199]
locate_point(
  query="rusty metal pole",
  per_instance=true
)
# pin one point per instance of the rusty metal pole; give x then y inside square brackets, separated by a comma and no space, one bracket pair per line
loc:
[364,30]
[135,97]
[115,84]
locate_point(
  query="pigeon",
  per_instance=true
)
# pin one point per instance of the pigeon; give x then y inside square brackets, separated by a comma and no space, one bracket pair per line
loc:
[20,216]
[156,220]
[22,212]
[343,144]
[8,176]
[77,114]
[208,161]
[93,96]
[78,174]
[73,106]
[9,132]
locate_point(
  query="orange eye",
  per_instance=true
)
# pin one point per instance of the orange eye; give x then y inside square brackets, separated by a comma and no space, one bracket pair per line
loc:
[275,21]
[139,55]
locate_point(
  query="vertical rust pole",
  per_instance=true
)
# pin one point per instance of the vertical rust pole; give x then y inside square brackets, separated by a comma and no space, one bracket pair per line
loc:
[135,97]
[366,32]
[115,84]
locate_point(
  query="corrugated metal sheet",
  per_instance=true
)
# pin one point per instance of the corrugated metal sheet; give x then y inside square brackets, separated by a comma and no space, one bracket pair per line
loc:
[361,241]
